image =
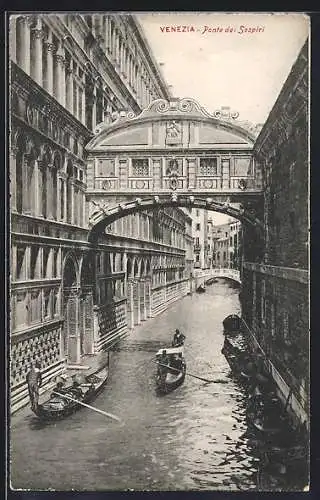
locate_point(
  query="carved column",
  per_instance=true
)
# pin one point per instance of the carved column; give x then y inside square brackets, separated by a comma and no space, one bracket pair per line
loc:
[72,325]
[49,192]
[36,56]
[58,194]
[157,177]
[37,191]
[69,88]
[138,303]
[72,202]
[149,292]
[25,185]
[83,101]
[25,43]
[106,32]
[61,87]
[75,97]
[130,303]
[94,107]
[50,50]
[144,301]
[192,173]
[65,208]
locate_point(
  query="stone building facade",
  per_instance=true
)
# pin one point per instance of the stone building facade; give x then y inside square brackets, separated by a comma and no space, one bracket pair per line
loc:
[69,297]
[226,245]
[200,238]
[277,310]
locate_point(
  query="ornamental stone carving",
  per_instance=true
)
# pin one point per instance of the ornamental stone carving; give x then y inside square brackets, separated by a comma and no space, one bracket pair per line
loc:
[173,133]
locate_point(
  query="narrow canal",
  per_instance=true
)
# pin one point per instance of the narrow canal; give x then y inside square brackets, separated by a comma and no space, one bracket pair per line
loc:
[192,439]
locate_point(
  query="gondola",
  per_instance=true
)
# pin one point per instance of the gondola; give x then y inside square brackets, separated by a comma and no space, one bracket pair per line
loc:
[232,324]
[238,361]
[210,281]
[170,376]
[58,407]
[201,289]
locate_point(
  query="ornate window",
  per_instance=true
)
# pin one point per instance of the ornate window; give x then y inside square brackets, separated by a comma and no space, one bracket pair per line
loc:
[140,167]
[208,166]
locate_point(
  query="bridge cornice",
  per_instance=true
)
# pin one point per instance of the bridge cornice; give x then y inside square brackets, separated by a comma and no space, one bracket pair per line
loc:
[162,110]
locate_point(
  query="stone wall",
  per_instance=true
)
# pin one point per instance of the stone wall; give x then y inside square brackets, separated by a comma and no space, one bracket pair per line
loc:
[275,310]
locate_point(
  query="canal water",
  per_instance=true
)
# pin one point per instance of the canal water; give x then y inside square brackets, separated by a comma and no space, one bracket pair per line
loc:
[194,438]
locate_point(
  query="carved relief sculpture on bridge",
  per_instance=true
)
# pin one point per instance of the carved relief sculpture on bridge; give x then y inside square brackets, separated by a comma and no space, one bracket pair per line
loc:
[173,133]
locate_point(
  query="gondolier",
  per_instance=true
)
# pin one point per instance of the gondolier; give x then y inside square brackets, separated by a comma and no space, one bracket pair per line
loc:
[34,381]
[178,338]
[169,375]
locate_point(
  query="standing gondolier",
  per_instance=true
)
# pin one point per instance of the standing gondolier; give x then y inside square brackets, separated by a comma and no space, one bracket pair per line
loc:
[178,338]
[34,381]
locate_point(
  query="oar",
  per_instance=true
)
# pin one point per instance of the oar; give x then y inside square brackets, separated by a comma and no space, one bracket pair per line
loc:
[191,374]
[88,406]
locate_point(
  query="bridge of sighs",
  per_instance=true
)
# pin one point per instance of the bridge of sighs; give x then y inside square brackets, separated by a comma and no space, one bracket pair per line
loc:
[173,153]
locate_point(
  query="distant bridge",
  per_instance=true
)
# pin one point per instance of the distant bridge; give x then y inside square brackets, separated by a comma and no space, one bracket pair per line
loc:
[205,275]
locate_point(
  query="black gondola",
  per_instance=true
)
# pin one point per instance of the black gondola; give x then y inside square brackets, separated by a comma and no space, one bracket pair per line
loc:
[201,289]
[170,376]
[238,360]
[232,324]
[58,407]
[210,281]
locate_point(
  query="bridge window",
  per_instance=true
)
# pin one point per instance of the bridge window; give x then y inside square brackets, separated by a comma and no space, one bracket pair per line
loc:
[208,166]
[242,167]
[198,227]
[140,167]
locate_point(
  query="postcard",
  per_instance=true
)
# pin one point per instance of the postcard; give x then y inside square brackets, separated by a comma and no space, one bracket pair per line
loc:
[159,251]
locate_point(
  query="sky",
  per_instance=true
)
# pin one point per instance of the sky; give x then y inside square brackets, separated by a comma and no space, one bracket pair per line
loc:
[240,69]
